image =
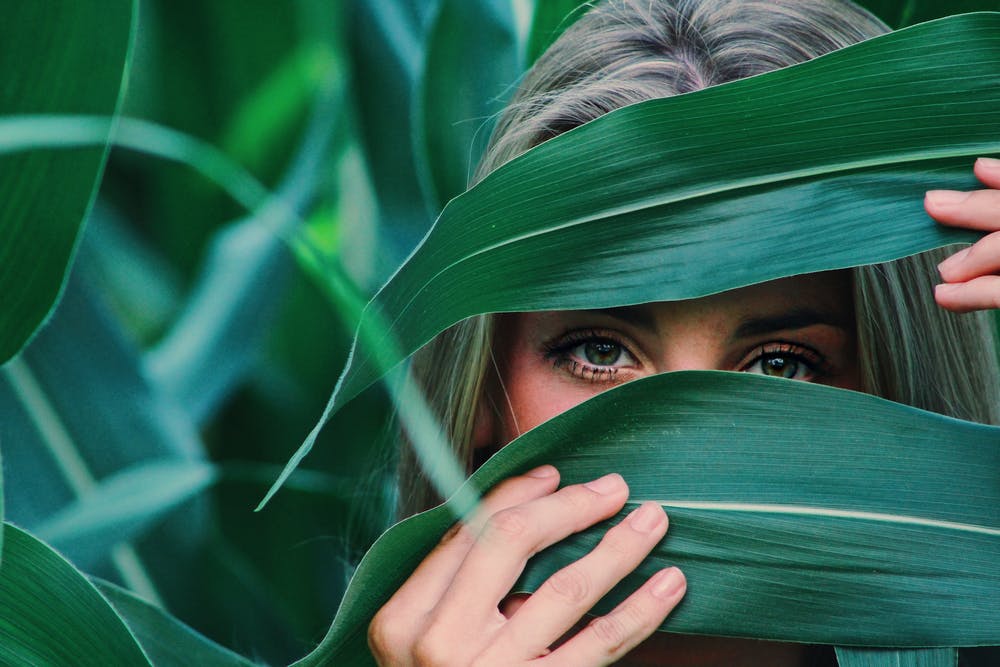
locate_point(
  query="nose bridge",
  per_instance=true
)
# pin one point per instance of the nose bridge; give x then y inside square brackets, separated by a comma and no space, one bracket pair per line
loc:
[696,362]
[693,351]
[692,335]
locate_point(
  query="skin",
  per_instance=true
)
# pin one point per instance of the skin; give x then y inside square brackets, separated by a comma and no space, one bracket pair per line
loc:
[970,280]
[455,608]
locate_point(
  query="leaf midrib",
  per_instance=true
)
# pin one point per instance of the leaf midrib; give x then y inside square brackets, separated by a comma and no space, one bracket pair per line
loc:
[813,511]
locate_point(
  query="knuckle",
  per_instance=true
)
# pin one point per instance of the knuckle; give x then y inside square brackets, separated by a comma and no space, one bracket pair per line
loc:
[386,635]
[432,648]
[989,198]
[977,249]
[578,501]
[459,535]
[507,525]
[571,585]
[485,660]
[635,615]
[610,633]
[622,542]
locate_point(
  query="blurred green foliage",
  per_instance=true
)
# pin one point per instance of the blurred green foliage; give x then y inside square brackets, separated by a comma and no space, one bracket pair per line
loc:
[190,353]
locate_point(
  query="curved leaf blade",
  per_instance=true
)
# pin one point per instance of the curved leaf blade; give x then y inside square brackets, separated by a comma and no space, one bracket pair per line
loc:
[42,597]
[900,13]
[45,195]
[550,19]
[897,507]
[700,193]
[467,75]
[166,640]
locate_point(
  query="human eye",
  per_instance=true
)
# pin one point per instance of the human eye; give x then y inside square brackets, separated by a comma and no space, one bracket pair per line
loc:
[590,354]
[787,360]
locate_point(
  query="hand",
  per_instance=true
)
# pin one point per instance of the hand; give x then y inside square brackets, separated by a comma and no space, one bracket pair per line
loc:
[449,611]
[970,275]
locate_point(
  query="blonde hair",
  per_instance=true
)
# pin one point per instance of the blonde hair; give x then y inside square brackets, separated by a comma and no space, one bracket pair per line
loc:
[626,51]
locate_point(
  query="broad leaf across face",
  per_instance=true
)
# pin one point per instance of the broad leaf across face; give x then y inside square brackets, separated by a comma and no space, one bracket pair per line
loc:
[816,529]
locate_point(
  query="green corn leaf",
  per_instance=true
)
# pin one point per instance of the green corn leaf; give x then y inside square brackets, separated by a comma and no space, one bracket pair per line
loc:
[467,76]
[121,507]
[874,657]
[166,640]
[59,449]
[814,167]
[45,195]
[901,13]
[885,529]
[1,512]
[215,339]
[386,41]
[50,614]
[551,18]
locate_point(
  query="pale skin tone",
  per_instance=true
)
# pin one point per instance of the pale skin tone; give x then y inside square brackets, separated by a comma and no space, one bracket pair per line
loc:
[455,608]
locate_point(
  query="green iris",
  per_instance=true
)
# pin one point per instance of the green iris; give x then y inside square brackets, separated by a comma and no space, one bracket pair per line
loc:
[602,352]
[779,367]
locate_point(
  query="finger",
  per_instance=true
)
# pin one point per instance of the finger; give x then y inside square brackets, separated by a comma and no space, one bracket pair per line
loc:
[979,259]
[513,535]
[607,638]
[569,593]
[982,293]
[432,577]
[978,209]
[988,171]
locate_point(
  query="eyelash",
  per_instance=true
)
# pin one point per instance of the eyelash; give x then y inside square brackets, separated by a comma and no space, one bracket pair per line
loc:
[558,352]
[811,358]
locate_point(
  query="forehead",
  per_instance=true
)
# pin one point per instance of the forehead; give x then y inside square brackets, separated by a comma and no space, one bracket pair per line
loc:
[787,303]
[825,297]
[829,291]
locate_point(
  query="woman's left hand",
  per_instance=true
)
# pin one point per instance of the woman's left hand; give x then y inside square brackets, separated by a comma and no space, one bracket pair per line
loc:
[971,280]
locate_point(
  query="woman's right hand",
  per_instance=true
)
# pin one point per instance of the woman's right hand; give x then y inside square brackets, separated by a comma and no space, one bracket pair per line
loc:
[454,609]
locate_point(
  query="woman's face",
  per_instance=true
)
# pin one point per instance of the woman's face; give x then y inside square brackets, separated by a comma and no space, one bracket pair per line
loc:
[800,327]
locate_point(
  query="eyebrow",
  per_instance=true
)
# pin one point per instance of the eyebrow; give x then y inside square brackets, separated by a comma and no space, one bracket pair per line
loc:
[639,316]
[798,318]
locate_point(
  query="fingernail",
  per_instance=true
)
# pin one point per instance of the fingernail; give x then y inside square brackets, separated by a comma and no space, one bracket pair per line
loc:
[666,583]
[946,197]
[646,517]
[542,472]
[945,288]
[954,260]
[607,484]
[990,163]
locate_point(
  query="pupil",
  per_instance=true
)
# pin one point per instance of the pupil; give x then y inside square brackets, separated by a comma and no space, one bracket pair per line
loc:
[602,353]
[780,367]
